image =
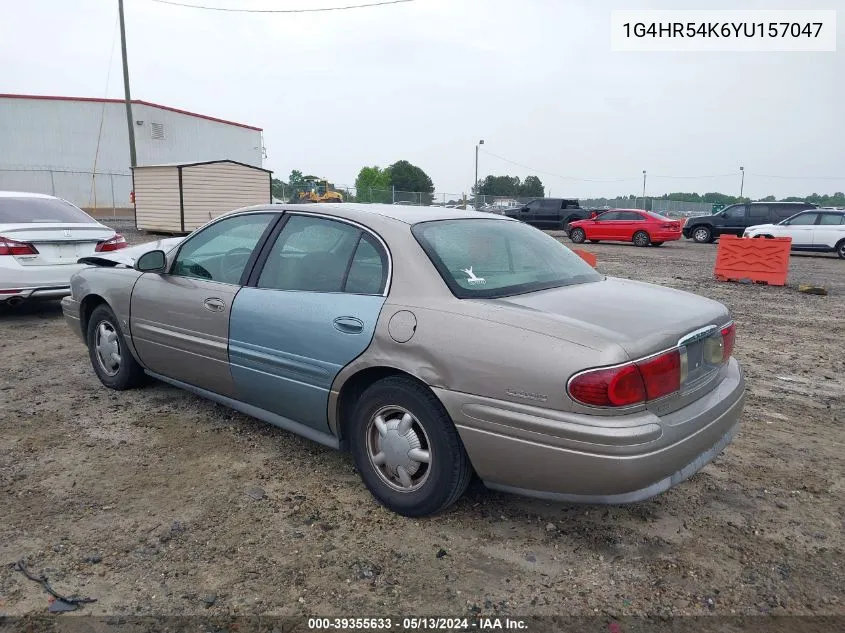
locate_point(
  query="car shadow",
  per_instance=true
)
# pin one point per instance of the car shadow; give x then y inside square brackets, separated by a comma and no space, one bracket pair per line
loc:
[46,309]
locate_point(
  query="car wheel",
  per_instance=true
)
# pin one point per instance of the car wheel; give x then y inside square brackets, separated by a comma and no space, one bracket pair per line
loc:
[657,243]
[641,238]
[112,361]
[840,249]
[577,235]
[407,449]
[702,234]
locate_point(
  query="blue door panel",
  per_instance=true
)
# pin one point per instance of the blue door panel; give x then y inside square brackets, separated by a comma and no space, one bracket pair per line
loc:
[287,347]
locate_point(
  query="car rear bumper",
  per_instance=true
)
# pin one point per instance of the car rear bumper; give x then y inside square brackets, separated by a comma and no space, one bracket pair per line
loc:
[35,282]
[595,459]
[70,310]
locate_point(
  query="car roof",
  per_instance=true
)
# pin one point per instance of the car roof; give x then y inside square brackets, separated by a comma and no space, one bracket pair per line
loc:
[376,213]
[794,202]
[23,194]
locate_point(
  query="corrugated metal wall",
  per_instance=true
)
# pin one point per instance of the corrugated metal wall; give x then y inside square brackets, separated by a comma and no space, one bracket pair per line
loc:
[61,135]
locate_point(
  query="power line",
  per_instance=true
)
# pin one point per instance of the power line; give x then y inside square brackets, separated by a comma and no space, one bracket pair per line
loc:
[799,177]
[319,10]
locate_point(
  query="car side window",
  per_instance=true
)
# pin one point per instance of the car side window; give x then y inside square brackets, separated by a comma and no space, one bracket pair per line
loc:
[629,216]
[368,271]
[758,213]
[220,252]
[803,219]
[316,255]
[782,212]
[551,205]
[610,215]
[534,204]
[735,213]
[832,219]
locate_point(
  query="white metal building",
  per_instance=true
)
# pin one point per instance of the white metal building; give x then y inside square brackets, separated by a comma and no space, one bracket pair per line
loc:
[54,145]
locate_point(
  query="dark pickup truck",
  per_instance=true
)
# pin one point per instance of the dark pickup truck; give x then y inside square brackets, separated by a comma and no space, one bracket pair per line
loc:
[734,219]
[549,213]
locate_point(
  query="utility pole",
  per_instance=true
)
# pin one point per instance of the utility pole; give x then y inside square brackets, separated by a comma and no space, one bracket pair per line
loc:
[742,182]
[475,185]
[129,122]
[643,189]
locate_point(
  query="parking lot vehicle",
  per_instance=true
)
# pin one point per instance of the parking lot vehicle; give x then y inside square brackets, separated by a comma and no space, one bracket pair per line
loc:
[733,220]
[626,225]
[548,213]
[41,239]
[820,230]
[430,343]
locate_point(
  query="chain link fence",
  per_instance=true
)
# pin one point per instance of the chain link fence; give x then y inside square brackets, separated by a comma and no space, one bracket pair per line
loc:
[101,192]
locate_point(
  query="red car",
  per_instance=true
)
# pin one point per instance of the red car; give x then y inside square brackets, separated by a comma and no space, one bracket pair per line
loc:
[626,225]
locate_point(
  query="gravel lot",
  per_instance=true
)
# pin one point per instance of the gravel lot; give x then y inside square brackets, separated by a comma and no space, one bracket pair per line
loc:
[154,501]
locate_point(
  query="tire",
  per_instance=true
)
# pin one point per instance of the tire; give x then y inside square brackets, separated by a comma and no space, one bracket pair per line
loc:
[641,238]
[428,487]
[577,235]
[702,234]
[657,243]
[123,373]
[840,249]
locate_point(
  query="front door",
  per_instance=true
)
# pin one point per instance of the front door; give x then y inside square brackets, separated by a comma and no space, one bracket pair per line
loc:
[800,229]
[180,319]
[734,220]
[310,311]
[530,213]
[602,229]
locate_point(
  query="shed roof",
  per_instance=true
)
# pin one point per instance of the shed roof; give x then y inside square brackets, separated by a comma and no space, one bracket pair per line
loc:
[204,162]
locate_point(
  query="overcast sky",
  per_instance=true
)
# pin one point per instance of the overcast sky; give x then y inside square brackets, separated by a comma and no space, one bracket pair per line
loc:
[425,80]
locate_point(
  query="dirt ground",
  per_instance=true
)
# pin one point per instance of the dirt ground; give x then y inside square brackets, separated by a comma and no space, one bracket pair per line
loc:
[157,502]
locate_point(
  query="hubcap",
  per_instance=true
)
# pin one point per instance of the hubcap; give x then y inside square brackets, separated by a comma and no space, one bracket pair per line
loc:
[107,347]
[398,448]
[641,239]
[701,235]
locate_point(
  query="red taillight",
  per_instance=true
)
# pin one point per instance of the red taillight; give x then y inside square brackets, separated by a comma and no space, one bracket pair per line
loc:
[728,338]
[114,244]
[661,374]
[614,387]
[13,247]
[629,384]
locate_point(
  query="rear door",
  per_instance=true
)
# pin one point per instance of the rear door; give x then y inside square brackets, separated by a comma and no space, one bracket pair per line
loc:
[180,319]
[628,223]
[309,310]
[829,231]
[550,214]
[759,214]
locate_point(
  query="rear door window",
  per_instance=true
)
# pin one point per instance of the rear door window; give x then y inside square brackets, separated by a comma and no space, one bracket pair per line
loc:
[832,219]
[782,212]
[758,213]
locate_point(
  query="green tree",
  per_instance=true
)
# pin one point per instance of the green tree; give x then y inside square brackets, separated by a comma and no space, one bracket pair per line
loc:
[278,188]
[407,177]
[501,186]
[296,184]
[532,187]
[373,185]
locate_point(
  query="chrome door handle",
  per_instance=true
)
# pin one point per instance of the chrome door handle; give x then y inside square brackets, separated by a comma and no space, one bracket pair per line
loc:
[214,305]
[349,325]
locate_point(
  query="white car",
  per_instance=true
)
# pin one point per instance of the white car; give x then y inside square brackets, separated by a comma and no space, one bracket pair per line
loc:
[41,241]
[816,230]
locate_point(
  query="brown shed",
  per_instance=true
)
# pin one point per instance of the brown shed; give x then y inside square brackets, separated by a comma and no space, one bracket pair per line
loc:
[179,197]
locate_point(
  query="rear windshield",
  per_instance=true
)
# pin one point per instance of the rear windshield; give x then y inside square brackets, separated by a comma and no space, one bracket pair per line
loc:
[497,258]
[35,210]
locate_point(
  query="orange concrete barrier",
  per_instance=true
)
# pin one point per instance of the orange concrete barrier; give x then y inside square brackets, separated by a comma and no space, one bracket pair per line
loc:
[587,257]
[756,259]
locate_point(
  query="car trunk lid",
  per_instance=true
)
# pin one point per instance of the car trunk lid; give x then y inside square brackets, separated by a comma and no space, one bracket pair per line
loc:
[56,243]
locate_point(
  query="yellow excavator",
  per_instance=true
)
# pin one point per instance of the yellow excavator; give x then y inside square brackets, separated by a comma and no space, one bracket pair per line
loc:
[319,191]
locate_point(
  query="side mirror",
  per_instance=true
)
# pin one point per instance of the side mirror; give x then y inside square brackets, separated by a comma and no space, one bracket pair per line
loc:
[524,209]
[152,262]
